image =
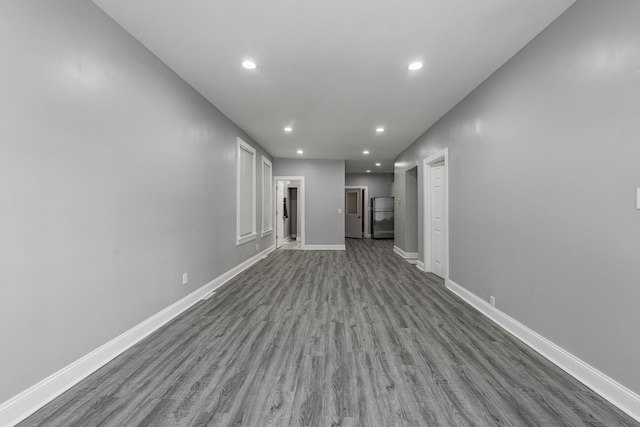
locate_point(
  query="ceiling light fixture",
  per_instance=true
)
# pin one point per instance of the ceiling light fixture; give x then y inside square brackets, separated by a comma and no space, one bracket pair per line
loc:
[414,66]
[380,129]
[365,152]
[299,151]
[288,129]
[249,65]
[378,164]
[368,170]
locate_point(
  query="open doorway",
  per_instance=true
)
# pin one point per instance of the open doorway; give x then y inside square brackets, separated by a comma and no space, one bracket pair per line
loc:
[289,212]
[411,215]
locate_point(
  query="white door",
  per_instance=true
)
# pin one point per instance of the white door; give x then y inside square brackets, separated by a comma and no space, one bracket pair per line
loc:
[437,223]
[353,214]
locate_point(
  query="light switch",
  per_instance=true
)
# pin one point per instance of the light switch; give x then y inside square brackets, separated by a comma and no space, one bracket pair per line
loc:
[339,210]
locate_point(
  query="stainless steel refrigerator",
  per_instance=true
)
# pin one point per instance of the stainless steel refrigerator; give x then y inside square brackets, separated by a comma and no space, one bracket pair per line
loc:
[382,217]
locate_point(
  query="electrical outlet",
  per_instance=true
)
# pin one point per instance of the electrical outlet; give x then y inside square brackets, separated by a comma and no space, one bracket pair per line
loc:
[185,278]
[492,301]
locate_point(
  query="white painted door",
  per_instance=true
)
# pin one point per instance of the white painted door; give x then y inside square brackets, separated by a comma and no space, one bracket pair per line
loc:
[437,222]
[353,213]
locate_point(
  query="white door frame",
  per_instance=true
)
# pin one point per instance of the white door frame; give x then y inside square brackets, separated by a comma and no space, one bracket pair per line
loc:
[367,231]
[301,204]
[442,155]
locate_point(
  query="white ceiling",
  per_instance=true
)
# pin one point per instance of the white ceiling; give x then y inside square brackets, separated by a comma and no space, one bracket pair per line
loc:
[334,70]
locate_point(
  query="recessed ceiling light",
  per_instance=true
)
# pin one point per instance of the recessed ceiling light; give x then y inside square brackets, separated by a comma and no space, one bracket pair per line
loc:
[249,65]
[365,152]
[368,170]
[288,129]
[380,129]
[378,164]
[414,66]
[299,151]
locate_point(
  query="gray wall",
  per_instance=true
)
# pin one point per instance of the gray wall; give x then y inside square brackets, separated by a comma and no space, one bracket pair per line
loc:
[115,178]
[380,184]
[544,166]
[324,195]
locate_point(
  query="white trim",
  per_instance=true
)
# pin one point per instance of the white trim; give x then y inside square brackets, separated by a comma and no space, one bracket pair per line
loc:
[210,294]
[301,204]
[325,248]
[410,257]
[420,265]
[368,235]
[442,155]
[267,198]
[246,239]
[366,207]
[614,392]
[243,146]
[406,167]
[26,403]
[404,254]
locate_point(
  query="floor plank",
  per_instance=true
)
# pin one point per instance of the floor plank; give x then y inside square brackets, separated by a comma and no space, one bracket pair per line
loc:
[330,338]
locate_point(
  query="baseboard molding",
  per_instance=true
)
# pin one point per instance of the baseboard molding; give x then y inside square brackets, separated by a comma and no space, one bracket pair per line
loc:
[26,403]
[325,248]
[614,392]
[368,236]
[410,257]
[420,266]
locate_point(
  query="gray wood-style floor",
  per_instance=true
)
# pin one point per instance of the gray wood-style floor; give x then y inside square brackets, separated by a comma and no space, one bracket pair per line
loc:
[330,338]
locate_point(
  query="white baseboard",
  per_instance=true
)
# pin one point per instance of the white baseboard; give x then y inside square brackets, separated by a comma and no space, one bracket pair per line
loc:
[614,392]
[410,257]
[420,265]
[368,236]
[26,403]
[325,248]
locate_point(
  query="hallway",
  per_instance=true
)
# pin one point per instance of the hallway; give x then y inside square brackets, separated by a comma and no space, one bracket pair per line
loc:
[319,338]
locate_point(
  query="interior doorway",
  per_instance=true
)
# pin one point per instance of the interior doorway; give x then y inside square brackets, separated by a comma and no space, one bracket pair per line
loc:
[289,212]
[436,214]
[411,215]
[353,213]
[356,218]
